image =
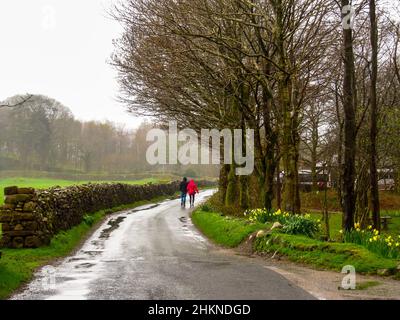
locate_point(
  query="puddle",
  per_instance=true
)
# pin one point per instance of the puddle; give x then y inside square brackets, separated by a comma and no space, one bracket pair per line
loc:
[153,206]
[93,253]
[85,265]
[114,224]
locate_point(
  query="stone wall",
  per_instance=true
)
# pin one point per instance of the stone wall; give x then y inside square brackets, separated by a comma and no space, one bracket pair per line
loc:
[30,218]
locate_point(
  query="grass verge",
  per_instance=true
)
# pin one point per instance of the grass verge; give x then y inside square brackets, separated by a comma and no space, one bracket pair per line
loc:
[230,232]
[325,255]
[17,266]
[225,231]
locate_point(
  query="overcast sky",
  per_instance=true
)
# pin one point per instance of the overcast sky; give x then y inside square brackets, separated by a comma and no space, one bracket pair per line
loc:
[60,48]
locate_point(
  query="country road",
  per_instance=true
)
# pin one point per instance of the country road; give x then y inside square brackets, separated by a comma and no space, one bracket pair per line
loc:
[155,252]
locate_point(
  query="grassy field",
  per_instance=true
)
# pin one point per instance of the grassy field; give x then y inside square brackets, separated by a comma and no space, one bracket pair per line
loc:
[335,223]
[38,183]
[389,201]
[18,265]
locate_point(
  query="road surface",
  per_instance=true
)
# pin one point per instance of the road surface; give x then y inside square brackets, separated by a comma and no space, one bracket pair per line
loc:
[155,252]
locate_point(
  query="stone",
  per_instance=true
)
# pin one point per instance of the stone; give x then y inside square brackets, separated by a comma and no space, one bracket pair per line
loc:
[32,242]
[21,233]
[5,227]
[277,225]
[26,191]
[10,191]
[32,226]
[14,199]
[29,206]
[18,227]
[261,233]
[18,242]
[7,206]
[16,216]
[5,242]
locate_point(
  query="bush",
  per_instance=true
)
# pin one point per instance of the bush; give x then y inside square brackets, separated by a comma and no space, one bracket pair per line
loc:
[89,220]
[206,207]
[292,224]
[303,225]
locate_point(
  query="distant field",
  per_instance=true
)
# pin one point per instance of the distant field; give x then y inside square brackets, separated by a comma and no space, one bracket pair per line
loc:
[47,183]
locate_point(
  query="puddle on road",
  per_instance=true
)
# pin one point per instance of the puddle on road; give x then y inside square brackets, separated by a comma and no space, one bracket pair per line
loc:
[114,224]
[153,206]
[85,265]
[92,253]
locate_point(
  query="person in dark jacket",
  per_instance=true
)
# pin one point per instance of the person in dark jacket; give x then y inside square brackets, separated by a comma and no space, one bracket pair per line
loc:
[183,190]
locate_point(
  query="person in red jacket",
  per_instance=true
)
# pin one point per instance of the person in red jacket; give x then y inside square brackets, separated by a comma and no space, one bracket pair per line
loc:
[192,190]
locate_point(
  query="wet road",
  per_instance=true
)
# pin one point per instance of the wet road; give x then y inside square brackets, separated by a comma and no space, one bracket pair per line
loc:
[154,252]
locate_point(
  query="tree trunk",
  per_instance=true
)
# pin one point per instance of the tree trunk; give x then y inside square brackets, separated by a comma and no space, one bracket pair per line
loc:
[286,98]
[349,128]
[314,157]
[278,186]
[231,190]
[223,181]
[374,114]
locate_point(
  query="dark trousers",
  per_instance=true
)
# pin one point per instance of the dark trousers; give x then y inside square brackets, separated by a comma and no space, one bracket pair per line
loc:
[183,199]
[192,197]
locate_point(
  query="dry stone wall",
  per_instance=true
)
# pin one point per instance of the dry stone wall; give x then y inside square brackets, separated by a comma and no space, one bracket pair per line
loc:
[30,218]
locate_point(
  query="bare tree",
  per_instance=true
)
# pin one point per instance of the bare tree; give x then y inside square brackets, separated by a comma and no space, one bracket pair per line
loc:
[13,104]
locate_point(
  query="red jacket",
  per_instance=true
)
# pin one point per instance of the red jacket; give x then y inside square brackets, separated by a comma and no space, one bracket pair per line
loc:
[192,188]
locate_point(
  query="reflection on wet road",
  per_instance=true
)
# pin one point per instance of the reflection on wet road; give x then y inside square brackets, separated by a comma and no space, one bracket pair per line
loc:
[155,252]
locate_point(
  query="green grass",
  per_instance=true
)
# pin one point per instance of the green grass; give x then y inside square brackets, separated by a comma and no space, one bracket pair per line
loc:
[335,223]
[39,183]
[18,265]
[225,231]
[230,232]
[367,284]
[325,255]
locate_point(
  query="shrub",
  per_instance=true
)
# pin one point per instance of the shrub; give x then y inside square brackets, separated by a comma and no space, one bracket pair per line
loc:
[303,225]
[206,207]
[89,220]
[292,224]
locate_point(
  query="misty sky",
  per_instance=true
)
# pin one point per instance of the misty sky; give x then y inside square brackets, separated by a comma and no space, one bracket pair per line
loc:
[60,48]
